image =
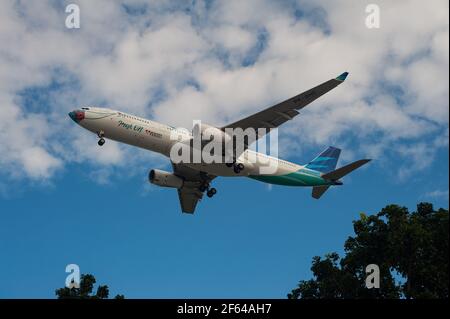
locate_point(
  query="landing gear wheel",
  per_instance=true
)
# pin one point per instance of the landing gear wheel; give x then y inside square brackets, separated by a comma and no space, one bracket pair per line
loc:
[229,164]
[211,192]
[238,167]
[101,141]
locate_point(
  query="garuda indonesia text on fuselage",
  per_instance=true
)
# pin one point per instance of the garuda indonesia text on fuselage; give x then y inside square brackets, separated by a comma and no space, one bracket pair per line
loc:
[193,179]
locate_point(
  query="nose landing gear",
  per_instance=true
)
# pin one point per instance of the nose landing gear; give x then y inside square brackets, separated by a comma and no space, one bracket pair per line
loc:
[101,141]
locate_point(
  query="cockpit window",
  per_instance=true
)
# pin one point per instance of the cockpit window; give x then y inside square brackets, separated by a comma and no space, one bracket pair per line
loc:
[85,108]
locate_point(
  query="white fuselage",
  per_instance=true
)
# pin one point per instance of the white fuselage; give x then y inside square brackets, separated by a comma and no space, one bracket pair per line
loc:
[157,137]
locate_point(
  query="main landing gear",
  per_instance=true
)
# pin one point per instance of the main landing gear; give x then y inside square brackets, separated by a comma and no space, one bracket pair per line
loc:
[210,192]
[101,141]
[237,167]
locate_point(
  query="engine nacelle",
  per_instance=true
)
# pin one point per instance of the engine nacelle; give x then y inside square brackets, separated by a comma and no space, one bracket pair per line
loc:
[164,179]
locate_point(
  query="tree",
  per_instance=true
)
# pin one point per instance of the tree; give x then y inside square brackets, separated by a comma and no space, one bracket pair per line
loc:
[87,283]
[410,249]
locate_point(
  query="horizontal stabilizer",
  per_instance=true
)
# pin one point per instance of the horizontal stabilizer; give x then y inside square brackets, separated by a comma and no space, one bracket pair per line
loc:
[318,191]
[344,170]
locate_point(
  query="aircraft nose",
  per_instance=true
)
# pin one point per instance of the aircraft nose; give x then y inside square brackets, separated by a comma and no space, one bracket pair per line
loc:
[76,115]
[72,115]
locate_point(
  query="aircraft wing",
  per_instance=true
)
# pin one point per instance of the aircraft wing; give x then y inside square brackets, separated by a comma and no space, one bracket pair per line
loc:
[190,194]
[280,113]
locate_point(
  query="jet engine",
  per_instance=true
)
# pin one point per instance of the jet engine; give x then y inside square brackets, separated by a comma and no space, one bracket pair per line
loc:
[164,179]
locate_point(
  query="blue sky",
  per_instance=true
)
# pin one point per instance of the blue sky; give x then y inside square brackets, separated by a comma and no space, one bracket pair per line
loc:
[245,242]
[64,200]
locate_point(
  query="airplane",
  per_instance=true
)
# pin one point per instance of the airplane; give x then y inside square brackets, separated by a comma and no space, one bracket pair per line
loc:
[192,180]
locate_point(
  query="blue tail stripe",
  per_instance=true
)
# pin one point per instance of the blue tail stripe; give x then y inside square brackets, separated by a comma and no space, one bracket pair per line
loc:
[326,161]
[323,158]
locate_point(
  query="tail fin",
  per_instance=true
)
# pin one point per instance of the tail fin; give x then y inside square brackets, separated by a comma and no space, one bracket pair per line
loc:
[326,161]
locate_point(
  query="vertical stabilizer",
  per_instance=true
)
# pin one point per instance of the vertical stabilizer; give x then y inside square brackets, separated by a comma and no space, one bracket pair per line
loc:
[326,161]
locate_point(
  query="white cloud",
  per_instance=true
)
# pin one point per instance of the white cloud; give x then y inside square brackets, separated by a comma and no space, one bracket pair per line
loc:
[233,38]
[37,162]
[23,143]
[168,62]
[438,193]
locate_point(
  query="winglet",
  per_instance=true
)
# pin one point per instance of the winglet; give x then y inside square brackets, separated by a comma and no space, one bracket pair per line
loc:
[342,77]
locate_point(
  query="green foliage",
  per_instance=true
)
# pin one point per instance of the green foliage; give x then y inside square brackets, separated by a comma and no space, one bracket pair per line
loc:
[87,283]
[413,245]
